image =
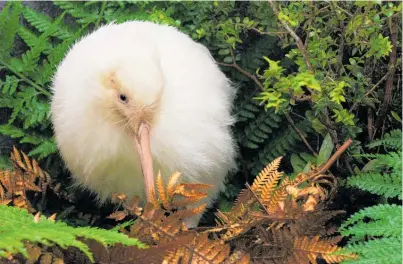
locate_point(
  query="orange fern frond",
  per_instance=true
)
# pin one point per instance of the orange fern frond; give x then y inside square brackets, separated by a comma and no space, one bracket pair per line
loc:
[265,174]
[307,248]
[16,157]
[267,190]
[173,180]
[189,212]
[161,192]
[185,201]
[185,191]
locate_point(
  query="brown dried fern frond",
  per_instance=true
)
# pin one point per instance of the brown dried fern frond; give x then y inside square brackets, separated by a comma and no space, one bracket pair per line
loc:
[160,223]
[25,176]
[309,249]
[287,221]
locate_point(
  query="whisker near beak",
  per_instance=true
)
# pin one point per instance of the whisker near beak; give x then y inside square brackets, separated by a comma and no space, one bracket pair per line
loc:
[142,143]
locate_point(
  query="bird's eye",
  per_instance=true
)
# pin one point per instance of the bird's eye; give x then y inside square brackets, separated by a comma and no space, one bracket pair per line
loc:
[123,98]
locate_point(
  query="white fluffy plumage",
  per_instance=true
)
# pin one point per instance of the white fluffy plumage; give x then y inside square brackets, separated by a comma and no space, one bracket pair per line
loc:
[149,64]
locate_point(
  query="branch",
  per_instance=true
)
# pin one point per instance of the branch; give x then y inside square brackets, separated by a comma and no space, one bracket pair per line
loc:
[268,32]
[355,105]
[389,82]
[247,74]
[334,157]
[330,162]
[300,45]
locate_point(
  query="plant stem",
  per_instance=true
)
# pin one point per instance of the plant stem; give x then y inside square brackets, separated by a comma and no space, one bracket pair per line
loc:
[335,156]
[387,98]
[247,74]
[355,105]
[101,13]
[300,45]
[301,135]
[25,79]
[257,198]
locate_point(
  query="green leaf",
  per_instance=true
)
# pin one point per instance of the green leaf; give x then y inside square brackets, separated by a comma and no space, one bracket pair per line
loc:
[297,163]
[396,116]
[325,150]
[223,52]
[228,59]
[380,47]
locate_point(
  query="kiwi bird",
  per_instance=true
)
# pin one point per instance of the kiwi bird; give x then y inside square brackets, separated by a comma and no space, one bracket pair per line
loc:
[133,98]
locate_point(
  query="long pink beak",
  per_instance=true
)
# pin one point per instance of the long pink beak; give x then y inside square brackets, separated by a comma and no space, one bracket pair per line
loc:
[142,143]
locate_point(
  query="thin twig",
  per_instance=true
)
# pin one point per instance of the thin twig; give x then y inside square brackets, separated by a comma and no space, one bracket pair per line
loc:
[300,45]
[268,32]
[291,121]
[247,74]
[355,105]
[387,98]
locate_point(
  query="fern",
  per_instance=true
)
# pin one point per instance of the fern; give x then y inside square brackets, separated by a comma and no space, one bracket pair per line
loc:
[44,23]
[261,128]
[388,185]
[7,33]
[386,221]
[18,226]
[24,87]
[382,223]
[9,86]
[393,139]
[44,149]
[383,250]
[382,174]
[80,11]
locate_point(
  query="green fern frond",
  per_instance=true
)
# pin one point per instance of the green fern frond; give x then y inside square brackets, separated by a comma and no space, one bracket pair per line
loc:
[252,58]
[80,11]
[23,98]
[11,131]
[388,185]
[380,220]
[381,211]
[260,128]
[384,250]
[32,40]
[391,160]
[18,226]
[8,33]
[43,23]
[9,86]
[393,140]
[383,176]
[44,149]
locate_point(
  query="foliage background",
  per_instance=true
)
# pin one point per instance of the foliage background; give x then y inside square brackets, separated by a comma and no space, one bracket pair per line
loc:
[341,79]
